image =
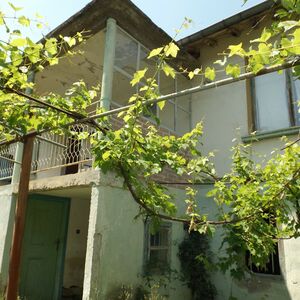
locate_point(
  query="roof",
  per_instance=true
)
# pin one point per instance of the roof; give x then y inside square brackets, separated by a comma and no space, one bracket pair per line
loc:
[218,28]
[93,18]
[128,16]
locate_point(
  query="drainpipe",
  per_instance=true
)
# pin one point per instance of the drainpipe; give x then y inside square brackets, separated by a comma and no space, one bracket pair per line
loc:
[108,63]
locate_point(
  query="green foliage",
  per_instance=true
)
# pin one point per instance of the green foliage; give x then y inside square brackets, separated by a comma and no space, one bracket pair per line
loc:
[195,259]
[210,73]
[252,193]
[20,57]
[245,197]
[233,70]
[275,45]
[138,293]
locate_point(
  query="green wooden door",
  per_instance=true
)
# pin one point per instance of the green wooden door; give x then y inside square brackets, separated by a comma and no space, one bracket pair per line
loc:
[44,247]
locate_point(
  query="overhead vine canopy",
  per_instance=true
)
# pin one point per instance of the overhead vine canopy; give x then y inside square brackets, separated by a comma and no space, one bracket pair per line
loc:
[246,196]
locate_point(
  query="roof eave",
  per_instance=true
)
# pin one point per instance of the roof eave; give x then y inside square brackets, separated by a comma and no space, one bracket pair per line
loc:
[226,23]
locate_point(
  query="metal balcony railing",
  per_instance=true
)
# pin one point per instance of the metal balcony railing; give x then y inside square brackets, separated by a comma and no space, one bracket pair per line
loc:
[52,151]
[7,154]
[67,152]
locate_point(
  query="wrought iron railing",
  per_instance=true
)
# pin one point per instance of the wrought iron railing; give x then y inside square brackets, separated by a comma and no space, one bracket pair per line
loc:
[67,152]
[52,151]
[7,154]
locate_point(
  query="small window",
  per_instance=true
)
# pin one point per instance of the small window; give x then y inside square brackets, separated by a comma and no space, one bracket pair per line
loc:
[158,244]
[272,267]
[275,101]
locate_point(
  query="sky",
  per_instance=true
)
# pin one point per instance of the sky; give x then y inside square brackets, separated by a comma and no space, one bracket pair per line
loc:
[167,14]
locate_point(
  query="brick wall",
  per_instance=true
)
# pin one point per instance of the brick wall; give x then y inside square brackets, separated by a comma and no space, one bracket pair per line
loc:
[168,176]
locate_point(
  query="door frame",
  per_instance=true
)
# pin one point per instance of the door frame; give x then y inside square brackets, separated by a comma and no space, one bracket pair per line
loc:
[58,281]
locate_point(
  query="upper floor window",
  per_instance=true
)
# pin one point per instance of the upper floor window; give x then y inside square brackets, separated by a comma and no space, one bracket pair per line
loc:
[276,96]
[132,56]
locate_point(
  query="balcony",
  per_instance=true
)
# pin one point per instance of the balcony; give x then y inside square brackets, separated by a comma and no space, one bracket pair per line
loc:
[60,153]
[56,155]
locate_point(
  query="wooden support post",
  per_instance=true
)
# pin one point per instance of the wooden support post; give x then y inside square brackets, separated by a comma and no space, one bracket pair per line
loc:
[19,226]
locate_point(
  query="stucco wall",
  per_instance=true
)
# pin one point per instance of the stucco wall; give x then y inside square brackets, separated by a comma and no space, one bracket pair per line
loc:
[115,250]
[7,205]
[223,111]
[76,241]
[224,115]
[254,286]
[87,65]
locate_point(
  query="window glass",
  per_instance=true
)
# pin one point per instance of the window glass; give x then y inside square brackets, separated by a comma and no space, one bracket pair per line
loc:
[158,248]
[183,84]
[166,84]
[126,53]
[147,63]
[122,89]
[272,267]
[167,115]
[271,99]
[182,121]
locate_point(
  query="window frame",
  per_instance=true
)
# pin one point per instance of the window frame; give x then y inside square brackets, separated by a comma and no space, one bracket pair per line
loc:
[156,269]
[174,102]
[252,113]
[272,267]
[274,259]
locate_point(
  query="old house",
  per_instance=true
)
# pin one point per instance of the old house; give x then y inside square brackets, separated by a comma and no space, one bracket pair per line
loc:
[80,228]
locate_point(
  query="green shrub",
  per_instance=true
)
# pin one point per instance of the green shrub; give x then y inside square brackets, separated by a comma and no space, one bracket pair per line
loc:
[194,255]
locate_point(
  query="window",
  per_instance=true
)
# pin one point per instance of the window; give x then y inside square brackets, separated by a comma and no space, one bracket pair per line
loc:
[157,250]
[272,267]
[275,101]
[132,56]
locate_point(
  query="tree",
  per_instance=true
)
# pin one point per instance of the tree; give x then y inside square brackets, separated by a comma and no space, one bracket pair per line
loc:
[248,195]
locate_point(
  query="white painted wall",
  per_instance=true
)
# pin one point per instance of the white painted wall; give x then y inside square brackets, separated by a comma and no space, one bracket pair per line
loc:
[224,115]
[7,208]
[223,111]
[76,242]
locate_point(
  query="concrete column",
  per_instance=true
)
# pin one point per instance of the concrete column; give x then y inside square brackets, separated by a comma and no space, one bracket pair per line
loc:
[17,167]
[108,63]
[8,202]
[91,284]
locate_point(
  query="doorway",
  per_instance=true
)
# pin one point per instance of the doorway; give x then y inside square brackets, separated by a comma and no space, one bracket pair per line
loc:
[44,247]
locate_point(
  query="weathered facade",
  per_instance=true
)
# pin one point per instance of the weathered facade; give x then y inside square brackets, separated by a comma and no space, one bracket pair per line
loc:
[235,111]
[84,220]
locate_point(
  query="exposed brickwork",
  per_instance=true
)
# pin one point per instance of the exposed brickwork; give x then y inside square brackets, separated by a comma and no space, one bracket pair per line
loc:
[168,175]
